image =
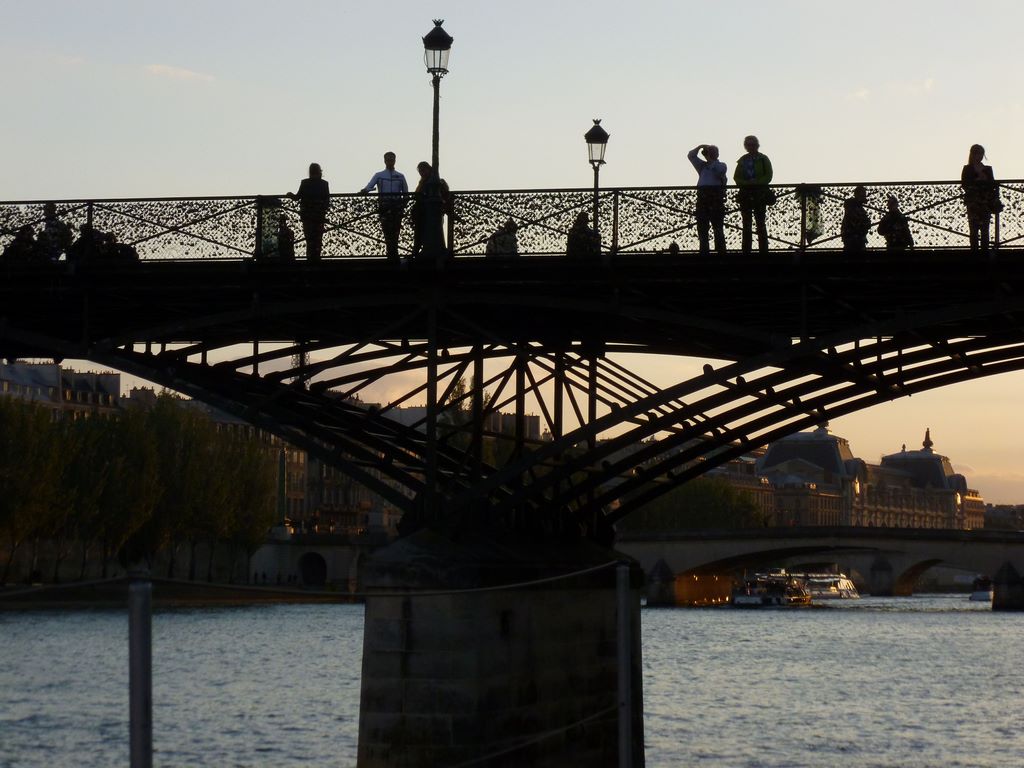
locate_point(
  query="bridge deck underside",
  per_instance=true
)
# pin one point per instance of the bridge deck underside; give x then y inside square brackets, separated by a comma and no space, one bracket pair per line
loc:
[794,338]
[715,307]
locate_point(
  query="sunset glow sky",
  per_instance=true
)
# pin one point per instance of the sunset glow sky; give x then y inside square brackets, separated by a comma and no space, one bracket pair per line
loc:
[118,98]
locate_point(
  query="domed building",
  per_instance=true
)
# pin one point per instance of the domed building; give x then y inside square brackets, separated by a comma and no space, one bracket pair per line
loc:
[919,489]
[818,481]
[815,476]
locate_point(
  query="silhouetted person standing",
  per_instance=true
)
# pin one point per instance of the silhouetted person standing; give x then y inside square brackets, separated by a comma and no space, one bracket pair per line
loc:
[428,212]
[753,174]
[895,228]
[856,222]
[582,242]
[981,197]
[314,197]
[392,192]
[56,237]
[711,181]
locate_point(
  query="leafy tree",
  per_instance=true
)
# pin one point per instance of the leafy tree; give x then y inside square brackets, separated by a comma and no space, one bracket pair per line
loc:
[134,485]
[79,490]
[251,505]
[28,475]
[128,499]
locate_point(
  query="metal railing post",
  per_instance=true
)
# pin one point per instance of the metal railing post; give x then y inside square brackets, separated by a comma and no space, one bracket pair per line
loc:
[258,250]
[803,222]
[140,669]
[615,221]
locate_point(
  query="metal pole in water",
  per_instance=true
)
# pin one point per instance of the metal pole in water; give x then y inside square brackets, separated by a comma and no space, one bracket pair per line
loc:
[625,667]
[140,669]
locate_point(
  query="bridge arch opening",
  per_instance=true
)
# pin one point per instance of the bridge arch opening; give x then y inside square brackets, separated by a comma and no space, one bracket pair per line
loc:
[313,570]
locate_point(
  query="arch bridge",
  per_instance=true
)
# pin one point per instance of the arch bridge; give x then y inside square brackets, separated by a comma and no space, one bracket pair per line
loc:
[890,560]
[328,354]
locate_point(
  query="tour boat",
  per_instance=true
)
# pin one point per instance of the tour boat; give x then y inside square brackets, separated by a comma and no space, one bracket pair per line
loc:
[773,589]
[829,586]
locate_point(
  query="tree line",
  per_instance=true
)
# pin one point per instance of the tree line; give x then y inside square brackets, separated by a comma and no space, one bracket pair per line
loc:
[163,480]
[701,503]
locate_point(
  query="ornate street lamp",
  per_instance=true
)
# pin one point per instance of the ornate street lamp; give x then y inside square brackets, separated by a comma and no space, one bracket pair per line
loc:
[597,140]
[436,46]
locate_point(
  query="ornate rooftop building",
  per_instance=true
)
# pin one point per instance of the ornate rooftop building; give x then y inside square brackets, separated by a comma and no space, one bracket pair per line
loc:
[818,481]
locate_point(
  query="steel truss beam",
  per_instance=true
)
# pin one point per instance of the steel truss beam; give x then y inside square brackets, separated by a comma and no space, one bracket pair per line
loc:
[475,343]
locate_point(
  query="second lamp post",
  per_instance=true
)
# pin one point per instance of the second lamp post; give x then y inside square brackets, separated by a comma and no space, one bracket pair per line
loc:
[436,46]
[597,140]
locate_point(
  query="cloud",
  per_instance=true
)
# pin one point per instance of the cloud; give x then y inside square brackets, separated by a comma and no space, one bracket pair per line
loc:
[897,88]
[178,73]
[68,61]
[904,88]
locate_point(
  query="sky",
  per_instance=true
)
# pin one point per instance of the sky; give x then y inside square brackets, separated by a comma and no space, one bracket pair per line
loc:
[126,98]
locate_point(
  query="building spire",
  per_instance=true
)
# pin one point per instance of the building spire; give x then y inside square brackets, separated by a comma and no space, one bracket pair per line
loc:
[927,439]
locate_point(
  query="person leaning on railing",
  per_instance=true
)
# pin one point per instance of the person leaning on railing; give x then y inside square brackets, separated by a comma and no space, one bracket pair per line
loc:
[314,198]
[392,194]
[981,197]
[432,200]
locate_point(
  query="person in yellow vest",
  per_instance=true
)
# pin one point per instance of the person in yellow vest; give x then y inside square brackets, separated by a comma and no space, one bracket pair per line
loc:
[753,174]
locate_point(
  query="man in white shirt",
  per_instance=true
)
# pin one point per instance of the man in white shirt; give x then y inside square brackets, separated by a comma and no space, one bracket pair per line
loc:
[392,194]
[711,180]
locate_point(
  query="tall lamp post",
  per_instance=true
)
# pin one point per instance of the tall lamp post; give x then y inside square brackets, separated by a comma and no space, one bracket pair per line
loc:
[436,46]
[597,140]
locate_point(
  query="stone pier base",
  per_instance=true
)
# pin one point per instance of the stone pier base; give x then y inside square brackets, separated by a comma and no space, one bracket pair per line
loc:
[1007,589]
[509,677]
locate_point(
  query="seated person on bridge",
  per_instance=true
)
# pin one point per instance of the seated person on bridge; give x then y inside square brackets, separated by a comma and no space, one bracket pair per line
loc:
[94,245]
[83,249]
[856,222]
[503,242]
[23,248]
[112,251]
[894,227]
[285,239]
[582,243]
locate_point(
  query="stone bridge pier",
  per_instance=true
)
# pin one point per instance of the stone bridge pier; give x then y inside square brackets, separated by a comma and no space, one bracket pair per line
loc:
[1008,588]
[500,654]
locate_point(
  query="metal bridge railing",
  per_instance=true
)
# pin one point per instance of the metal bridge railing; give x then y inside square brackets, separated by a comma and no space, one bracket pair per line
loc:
[632,220]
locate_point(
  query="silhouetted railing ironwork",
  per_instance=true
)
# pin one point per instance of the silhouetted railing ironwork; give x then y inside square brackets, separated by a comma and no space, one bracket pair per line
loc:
[633,220]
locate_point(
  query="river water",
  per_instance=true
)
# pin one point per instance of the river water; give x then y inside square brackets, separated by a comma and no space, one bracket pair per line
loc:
[923,681]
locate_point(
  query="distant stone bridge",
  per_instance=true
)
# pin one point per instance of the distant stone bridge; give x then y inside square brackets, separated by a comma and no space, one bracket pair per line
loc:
[888,560]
